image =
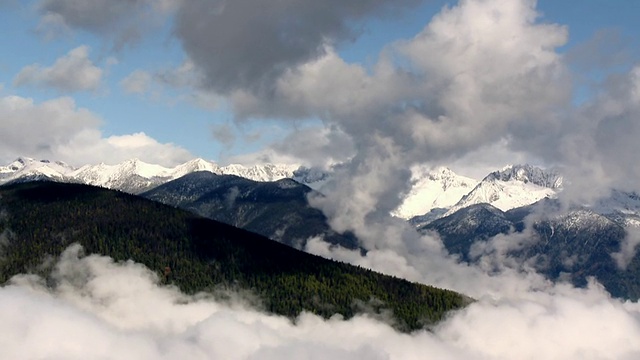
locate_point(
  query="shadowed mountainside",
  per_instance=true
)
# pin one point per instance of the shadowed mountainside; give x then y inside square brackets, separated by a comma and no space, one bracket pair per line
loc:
[278,210]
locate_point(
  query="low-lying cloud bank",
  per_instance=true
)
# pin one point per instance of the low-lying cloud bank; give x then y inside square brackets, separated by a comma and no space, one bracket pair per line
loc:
[100,309]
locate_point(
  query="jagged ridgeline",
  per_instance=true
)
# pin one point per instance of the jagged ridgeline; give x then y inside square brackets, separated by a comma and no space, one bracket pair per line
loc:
[43,218]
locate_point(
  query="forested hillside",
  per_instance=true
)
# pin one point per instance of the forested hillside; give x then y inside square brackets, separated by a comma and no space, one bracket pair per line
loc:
[41,219]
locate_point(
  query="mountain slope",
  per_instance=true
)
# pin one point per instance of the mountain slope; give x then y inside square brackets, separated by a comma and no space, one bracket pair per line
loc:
[478,222]
[41,219]
[564,246]
[278,210]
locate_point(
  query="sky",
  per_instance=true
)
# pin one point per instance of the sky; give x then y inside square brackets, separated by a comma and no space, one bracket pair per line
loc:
[169,80]
[377,86]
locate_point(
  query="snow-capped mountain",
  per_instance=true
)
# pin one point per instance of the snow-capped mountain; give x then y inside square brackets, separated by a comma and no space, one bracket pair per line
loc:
[432,188]
[34,169]
[512,187]
[438,188]
[435,192]
[134,176]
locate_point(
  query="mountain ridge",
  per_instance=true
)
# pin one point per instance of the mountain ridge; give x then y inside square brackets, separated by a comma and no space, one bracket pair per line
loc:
[512,187]
[133,175]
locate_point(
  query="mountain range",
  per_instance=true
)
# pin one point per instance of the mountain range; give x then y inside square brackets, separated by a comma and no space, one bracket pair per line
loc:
[518,202]
[437,191]
[133,176]
[562,244]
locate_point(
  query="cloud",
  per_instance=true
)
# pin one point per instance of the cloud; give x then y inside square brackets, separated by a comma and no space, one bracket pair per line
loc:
[171,85]
[481,77]
[604,50]
[247,44]
[90,147]
[316,146]
[224,134]
[628,247]
[57,129]
[97,308]
[121,21]
[138,82]
[70,73]
[598,145]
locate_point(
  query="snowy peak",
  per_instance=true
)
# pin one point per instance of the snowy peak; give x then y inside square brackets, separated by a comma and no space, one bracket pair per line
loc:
[266,172]
[512,187]
[193,166]
[433,188]
[130,176]
[143,169]
[528,174]
[30,168]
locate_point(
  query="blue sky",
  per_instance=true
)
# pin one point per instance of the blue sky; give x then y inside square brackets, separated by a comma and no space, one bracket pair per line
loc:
[196,120]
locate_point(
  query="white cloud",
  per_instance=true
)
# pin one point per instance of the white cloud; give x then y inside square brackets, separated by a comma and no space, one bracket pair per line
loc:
[90,147]
[102,309]
[628,247]
[58,130]
[70,73]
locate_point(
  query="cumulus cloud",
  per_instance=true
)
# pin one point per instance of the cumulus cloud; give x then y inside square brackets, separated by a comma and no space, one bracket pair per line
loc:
[247,44]
[316,146]
[479,73]
[57,129]
[90,147]
[481,77]
[72,72]
[94,307]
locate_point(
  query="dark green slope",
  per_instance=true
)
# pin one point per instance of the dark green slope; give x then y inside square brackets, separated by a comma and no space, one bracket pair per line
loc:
[44,218]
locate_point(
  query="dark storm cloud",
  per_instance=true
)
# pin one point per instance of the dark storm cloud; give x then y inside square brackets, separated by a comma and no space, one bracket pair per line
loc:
[247,44]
